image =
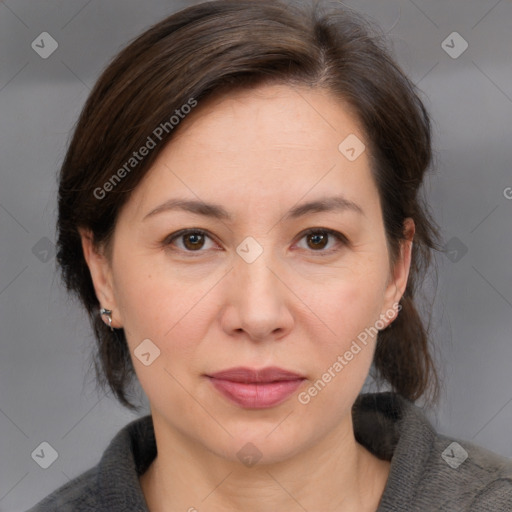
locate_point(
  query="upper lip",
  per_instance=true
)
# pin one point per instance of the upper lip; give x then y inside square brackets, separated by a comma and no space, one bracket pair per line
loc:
[249,375]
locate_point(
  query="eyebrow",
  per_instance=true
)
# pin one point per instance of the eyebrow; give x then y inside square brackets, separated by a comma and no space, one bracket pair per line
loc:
[216,211]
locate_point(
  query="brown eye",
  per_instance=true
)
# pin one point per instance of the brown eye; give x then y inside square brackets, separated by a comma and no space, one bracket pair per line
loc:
[189,240]
[317,240]
[193,241]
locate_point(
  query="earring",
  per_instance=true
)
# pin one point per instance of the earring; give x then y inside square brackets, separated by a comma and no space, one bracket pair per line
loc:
[108,314]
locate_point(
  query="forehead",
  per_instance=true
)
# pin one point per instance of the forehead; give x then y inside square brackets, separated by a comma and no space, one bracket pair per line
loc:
[269,117]
[269,142]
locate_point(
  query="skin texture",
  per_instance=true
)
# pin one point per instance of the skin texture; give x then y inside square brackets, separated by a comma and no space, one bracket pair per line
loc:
[257,153]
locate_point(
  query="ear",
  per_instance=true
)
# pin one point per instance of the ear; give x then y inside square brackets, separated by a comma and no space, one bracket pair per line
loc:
[400,274]
[101,274]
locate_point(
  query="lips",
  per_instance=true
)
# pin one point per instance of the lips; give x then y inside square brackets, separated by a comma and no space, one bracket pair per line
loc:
[256,389]
[250,375]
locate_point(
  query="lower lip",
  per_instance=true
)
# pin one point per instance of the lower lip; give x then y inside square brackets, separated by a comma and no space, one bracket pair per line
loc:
[256,396]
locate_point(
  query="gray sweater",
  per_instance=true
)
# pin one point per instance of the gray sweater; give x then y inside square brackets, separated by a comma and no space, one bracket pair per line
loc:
[429,471]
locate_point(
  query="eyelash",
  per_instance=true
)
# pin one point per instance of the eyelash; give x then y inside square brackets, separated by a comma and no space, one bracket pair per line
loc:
[337,235]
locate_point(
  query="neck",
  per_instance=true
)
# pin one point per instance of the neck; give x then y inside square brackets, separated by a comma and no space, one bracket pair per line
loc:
[334,474]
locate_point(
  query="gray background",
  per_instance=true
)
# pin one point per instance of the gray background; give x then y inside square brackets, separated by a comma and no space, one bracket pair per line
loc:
[47,390]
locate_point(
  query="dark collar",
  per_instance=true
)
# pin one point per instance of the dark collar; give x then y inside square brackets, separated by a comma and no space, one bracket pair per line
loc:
[386,424]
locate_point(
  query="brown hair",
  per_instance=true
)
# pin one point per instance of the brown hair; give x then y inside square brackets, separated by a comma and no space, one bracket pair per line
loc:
[222,45]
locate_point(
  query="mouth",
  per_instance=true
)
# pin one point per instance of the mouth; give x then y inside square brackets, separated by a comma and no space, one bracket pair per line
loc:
[256,389]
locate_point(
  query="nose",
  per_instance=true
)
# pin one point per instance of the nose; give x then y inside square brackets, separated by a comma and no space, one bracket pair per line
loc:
[258,302]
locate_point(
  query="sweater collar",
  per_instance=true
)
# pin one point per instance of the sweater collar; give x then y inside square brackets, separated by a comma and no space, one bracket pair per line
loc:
[395,429]
[127,457]
[386,424]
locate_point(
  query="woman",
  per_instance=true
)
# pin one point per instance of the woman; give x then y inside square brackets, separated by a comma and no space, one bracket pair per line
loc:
[239,212]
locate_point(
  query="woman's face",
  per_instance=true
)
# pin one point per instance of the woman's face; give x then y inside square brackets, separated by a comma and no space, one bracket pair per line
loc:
[250,288]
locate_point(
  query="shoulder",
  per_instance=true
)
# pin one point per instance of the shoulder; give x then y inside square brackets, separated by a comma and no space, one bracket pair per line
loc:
[430,471]
[469,476]
[455,474]
[78,495]
[113,484]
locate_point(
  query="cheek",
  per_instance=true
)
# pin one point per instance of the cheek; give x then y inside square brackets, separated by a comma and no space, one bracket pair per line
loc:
[341,348]
[171,314]
[171,309]
[344,308]
[346,330]
[346,300]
